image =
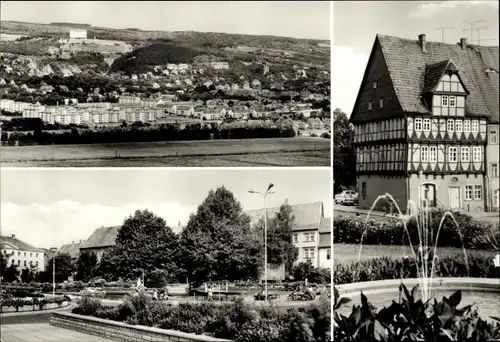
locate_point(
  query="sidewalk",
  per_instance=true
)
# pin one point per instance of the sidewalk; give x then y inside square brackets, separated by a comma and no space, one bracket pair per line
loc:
[42,332]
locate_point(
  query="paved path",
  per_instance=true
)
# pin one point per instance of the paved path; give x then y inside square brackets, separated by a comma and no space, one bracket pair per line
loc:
[42,332]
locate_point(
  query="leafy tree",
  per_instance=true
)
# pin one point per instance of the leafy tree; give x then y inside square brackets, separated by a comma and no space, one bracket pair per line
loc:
[64,268]
[144,244]
[280,247]
[8,272]
[86,266]
[344,155]
[28,275]
[218,242]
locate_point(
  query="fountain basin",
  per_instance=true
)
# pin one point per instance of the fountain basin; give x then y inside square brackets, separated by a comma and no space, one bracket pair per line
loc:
[482,291]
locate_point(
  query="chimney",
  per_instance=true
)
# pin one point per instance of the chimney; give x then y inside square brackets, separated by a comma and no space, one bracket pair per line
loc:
[423,42]
[73,242]
[13,236]
[463,43]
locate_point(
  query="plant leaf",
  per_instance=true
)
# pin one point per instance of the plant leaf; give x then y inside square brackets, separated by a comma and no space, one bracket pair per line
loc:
[414,291]
[455,299]
[343,301]
[448,334]
[380,332]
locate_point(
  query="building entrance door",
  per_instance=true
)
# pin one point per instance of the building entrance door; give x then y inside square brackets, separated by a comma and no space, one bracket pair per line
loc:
[454,197]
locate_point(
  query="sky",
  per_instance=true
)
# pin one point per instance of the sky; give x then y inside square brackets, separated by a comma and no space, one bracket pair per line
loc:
[51,207]
[301,19]
[355,25]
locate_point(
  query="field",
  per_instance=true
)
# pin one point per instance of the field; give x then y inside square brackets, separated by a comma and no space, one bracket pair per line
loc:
[246,152]
[347,253]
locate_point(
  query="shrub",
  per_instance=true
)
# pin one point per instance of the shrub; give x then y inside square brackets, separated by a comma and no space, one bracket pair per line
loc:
[349,230]
[87,306]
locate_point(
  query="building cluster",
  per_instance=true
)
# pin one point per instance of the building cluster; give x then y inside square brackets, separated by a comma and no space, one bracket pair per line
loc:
[437,142]
[21,254]
[133,108]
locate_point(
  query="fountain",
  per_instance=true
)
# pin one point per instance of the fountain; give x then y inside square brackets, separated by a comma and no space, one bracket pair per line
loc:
[425,236]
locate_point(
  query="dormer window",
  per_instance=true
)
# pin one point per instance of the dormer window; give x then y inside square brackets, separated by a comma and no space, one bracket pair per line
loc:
[375,84]
[381,104]
[370,104]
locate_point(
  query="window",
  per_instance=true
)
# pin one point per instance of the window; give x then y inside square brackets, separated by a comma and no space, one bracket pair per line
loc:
[424,154]
[452,154]
[24,253]
[476,154]
[465,154]
[467,126]
[309,237]
[475,126]
[458,125]
[295,237]
[494,170]
[433,154]
[494,136]
[24,263]
[418,124]
[381,104]
[478,192]
[375,84]
[363,190]
[451,125]
[328,254]
[18,253]
[444,101]
[427,125]
[370,105]
[452,101]
[13,261]
[36,264]
[18,262]
[468,192]
[31,254]
[309,253]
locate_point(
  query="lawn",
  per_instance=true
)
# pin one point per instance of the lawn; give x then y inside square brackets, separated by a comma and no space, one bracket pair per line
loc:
[347,253]
[191,149]
[309,158]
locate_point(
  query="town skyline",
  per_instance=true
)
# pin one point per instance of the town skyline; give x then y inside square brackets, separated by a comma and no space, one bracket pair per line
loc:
[275,18]
[351,46]
[88,199]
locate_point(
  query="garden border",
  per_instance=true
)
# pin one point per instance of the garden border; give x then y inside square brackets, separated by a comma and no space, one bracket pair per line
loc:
[29,308]
[122,331]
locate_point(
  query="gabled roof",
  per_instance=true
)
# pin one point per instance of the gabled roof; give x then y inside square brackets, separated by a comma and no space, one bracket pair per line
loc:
[73,249]
[435,72]
[21,246]
[325,225]
[307,216]
[407,67]
[102,237]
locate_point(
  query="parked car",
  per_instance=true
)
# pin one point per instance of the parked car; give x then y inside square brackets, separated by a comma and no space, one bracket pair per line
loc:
[347,197]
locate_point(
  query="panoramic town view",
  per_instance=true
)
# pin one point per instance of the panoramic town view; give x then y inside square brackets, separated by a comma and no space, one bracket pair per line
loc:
[218,93]
[231,254]
[415,92]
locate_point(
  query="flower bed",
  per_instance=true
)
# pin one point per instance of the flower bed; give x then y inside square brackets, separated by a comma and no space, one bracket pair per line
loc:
[33,304]
[386,268]
[235,321]
[350,230]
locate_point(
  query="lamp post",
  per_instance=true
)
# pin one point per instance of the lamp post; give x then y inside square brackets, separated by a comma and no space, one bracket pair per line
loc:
[53,274]
[264,194]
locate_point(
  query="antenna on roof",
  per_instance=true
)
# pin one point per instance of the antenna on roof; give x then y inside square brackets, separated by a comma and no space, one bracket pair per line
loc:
[471,29]
[479,29]
[442,31]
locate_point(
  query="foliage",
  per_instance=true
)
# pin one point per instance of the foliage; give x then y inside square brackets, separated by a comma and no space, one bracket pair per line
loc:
[466,232]
[218,242]
[86,266]
[306,270]
[28,275]
[144,244]
[17,302]
[387,268]
[64,268]
[344,154]
[280,247]
[413,320]
[161,53]
[8,272]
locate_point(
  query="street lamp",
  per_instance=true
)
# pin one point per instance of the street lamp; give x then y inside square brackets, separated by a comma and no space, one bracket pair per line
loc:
[264,194]
[54,274]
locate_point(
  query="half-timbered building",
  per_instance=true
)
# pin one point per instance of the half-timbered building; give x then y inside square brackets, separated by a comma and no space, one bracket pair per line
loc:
[421,123]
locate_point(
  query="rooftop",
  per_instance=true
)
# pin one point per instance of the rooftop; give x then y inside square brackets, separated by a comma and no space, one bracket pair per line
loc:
[18,244]
[101,237]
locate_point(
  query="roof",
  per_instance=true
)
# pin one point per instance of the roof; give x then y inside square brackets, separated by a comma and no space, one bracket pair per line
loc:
[407,65]
[73,249]
[307,216]
[325,240]
[325,225]
[22,246]
[102,237]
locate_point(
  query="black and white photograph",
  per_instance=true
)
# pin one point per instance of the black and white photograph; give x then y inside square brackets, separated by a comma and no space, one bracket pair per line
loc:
[200,255]
[165,84]
[415,93]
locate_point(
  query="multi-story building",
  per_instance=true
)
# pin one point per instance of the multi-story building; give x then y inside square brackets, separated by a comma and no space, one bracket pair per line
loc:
[306,233]
[101,240]
[72,249]
[21,254]
[493,164]
[420,122]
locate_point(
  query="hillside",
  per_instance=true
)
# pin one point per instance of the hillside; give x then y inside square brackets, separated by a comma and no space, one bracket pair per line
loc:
[140,59]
